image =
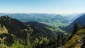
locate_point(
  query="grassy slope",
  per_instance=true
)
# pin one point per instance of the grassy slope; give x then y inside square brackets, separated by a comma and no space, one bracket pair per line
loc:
[74,41]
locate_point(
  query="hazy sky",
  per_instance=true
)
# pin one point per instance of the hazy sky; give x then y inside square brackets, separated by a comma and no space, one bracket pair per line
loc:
[42,6]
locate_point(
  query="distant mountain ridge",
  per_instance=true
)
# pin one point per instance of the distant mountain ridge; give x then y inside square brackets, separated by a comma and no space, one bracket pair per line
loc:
[54,20]
[34,17]
[80,20]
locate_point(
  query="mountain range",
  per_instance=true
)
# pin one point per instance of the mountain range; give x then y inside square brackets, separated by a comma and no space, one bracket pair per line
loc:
[41,31]
[49,19]
[16,34]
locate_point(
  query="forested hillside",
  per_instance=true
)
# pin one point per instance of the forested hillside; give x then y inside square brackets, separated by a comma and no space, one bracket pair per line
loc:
[16,34]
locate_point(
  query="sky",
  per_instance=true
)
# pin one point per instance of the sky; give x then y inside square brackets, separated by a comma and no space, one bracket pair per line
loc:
[42,6]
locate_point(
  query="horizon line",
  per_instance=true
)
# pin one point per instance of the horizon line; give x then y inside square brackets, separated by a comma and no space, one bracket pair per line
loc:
[36,13]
